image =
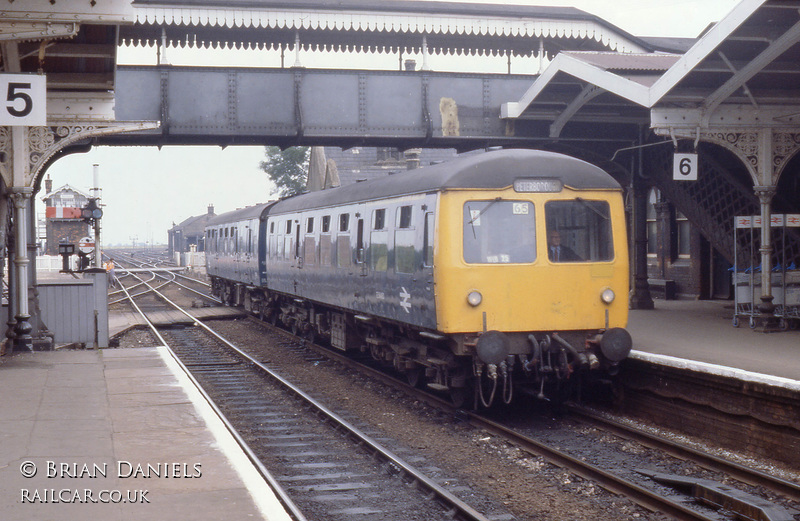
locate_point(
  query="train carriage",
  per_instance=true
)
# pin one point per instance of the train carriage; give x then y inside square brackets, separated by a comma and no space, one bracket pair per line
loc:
[235,253]
[488,272]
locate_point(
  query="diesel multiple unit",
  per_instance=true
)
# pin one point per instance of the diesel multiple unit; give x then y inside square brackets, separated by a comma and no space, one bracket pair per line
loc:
[475,277]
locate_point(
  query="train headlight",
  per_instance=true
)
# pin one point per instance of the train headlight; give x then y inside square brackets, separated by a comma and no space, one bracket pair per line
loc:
[474,298]
[607,295]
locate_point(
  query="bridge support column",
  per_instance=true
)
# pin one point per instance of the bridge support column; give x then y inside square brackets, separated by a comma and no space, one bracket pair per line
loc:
[640,297]
[765,195]
[20,196]
[640,293]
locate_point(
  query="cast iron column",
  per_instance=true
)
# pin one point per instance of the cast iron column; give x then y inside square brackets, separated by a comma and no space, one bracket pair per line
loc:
[21,197]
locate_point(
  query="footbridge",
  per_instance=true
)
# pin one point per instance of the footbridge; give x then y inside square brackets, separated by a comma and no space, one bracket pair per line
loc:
[285,107]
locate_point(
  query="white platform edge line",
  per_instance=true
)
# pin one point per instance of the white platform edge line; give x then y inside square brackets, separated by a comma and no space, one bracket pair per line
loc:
[263,496]
[718,370]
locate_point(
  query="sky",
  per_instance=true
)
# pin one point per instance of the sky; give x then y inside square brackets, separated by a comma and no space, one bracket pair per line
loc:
[145,190]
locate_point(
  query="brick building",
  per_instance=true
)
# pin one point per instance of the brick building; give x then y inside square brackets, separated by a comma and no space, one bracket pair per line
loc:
[190,232]
[63,216]
[681,263]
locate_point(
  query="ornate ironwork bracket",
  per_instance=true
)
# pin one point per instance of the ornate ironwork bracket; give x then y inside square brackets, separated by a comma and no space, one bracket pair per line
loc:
[44,142]
[764,151]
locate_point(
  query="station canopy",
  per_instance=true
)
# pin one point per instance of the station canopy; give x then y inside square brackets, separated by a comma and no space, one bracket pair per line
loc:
[744,70]
[370,26]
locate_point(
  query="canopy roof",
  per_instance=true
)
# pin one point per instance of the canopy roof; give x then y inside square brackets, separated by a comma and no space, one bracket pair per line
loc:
[385,26]
[745,66]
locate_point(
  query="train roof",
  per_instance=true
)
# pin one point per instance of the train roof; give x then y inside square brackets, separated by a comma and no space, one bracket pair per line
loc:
[240,214]
[490,170]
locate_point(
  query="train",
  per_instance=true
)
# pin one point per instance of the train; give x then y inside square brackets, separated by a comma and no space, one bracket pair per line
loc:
[492,274]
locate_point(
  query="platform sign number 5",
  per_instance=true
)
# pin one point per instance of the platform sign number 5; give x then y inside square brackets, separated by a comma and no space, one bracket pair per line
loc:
[684,167]
[25,100]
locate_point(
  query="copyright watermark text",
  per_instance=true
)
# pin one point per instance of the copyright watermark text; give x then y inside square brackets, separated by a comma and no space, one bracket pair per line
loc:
[120,469]
[51,495]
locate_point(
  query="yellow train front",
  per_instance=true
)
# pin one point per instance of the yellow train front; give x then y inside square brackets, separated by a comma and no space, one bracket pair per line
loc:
[531,280]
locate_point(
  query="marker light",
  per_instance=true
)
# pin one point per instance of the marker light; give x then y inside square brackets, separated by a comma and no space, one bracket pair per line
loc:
[607,295]
[474,298]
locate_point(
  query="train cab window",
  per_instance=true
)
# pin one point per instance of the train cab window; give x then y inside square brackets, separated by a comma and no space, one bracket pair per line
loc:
[326,224]
[403,217]
[499,232]
[379,219]
[310,225]
[344,222]
[579,231]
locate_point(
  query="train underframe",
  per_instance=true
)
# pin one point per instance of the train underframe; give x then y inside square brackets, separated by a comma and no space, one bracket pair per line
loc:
[477,370]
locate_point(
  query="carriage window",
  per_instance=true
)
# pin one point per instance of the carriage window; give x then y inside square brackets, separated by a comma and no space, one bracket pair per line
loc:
[272,227]
[326,223]
[404,217]
[427,247]
[404,252]
[310,225]
[379,221]
[344,222]
[289,226]
[379,250]
[578,231]
[499,232]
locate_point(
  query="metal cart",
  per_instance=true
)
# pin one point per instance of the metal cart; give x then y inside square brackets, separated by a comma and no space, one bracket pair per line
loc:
[785,279]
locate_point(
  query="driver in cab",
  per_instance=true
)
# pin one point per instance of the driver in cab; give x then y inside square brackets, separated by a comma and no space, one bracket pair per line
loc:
[556,251]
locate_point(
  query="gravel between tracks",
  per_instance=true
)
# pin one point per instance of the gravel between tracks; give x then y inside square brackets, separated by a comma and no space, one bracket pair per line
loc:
[529,487]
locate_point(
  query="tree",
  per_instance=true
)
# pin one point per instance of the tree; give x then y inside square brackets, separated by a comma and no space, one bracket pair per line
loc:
[287,169]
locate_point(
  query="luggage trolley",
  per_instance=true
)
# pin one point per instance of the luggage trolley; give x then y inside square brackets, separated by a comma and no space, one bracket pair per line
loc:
[744,293]
[785,278]
[791,279]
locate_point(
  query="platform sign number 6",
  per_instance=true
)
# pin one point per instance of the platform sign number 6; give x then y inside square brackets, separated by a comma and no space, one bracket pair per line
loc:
[24,100]
[684,167]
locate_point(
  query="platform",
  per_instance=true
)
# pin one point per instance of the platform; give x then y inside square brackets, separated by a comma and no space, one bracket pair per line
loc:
[702,331]
[117,434]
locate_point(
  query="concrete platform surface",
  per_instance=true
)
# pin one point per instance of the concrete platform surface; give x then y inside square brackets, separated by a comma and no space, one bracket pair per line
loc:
[703,331]
[117,434]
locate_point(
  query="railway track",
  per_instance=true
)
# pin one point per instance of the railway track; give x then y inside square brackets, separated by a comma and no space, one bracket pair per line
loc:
[755,497]
[654,490]
[320,464]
